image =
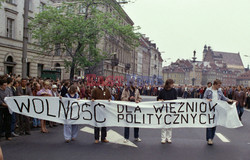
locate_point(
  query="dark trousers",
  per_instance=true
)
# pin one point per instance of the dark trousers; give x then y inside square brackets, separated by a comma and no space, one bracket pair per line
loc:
[5,122]
[210,133]
[103,133]
[240,111]
[23,123]
[126,132]
[13,122]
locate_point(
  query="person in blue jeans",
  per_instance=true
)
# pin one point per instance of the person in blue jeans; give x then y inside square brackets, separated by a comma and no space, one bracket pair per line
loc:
[214,94]
[132,94]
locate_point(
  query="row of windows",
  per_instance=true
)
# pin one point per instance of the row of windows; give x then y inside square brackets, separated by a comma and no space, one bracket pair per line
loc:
[10,22]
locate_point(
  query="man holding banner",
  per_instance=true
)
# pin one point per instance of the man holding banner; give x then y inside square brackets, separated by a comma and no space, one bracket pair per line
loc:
[214,94]
[101,93]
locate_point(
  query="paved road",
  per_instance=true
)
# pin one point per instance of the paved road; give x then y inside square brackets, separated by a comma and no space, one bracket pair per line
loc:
[187,144]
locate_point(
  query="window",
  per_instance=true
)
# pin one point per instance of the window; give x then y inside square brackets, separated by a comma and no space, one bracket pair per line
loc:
[82,9]
[57,49]
[42,7]
[29,35]
[58,7]
[39,70]
[30,5]
[10,28]
[28,69]
[68,51]
[11,1]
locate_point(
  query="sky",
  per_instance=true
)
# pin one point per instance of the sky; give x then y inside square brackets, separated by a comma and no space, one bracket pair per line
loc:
[178,27]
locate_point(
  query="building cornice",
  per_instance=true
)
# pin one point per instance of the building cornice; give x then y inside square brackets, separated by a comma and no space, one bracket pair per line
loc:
[10,10]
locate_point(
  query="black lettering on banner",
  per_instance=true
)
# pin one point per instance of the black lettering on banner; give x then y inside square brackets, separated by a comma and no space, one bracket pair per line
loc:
[193,116]
[118,108]
[34,104]
[183,118]
[135,120]
[127,111]
[120,117]
[190,107]
[204,106]
[181,111]
[201,118]
[158,109]
[167,107]
[158,118]
[143,118]
[212,108]
[175,121]
[131,118]
[47,103]
[172,108]
[22,104]
[83,111]
[196,106]
[165,119]
[138,109]
[100,105]
[72,109]
[211,118]
[66,110]
[149,118]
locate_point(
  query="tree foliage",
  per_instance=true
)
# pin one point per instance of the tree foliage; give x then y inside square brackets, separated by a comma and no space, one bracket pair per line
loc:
[76,28]
[1,1]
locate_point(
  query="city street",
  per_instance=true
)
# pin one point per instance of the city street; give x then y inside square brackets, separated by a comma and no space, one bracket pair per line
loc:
[229,144]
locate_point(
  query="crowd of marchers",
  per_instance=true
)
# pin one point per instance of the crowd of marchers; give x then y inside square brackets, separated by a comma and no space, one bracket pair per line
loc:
[14,125]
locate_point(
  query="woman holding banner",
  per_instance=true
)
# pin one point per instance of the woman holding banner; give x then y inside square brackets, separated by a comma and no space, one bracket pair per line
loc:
[71,131]
[168,93]
[131,94]
[45,92]
[214,94]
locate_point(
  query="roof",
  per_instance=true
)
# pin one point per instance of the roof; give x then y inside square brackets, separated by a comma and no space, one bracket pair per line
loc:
[229,58]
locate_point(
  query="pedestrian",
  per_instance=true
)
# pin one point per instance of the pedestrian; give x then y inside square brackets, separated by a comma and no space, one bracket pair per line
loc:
[167,93]
[64,89]
[70,131]
[5,116]
[36,88]
[101,93]
[214,93]
[45,91]
[248,98]
[1,154]
[131,94]
[240,97]
[82,91]
[23,121]
[185,94]
[55,93]
[10,93]
[14,115]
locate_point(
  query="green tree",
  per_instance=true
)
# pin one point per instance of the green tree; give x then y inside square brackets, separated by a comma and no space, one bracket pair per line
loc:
[1,1]
[76,28]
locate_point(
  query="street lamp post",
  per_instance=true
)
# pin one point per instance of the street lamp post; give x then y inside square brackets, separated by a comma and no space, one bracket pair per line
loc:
[114,62]
[127,67]
[194,60]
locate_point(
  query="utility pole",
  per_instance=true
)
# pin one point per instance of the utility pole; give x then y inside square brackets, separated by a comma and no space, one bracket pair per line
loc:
[25,38]
[194,60]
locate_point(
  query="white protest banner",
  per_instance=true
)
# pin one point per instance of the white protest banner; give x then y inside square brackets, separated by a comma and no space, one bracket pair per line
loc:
[182,113]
